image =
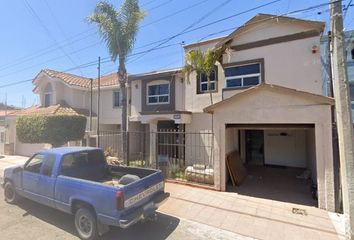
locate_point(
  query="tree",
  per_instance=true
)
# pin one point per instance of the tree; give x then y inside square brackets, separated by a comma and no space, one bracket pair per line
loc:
[203,63]
[56,130]
[118,29]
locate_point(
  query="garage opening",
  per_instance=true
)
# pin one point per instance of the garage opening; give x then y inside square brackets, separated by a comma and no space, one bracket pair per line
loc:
[276,162]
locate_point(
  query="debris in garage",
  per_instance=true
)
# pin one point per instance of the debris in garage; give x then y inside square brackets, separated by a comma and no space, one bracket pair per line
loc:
[236,168]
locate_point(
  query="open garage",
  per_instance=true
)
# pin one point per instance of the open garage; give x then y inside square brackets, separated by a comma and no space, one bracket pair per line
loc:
[282,136]
[279,161]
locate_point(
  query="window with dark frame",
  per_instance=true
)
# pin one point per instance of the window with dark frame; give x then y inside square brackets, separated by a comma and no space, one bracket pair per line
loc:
[158,93]
[47,99]
[204,87]
[243,75]
[116,99]
[351,91]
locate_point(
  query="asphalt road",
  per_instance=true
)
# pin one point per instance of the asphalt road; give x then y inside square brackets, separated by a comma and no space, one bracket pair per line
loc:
[29,220]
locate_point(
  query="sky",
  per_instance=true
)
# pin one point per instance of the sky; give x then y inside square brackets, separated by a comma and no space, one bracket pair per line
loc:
[37,34]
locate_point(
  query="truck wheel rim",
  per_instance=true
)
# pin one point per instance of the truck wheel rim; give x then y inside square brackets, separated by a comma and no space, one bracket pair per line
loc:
[9,193]
[85,225]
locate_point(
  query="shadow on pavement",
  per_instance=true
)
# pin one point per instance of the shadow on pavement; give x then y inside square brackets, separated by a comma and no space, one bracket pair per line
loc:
[159,229]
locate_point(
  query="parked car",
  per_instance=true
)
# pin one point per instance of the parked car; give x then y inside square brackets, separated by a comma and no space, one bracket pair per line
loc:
[78,181]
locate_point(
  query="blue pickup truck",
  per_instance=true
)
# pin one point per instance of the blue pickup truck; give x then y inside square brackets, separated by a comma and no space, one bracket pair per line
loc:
[78,181]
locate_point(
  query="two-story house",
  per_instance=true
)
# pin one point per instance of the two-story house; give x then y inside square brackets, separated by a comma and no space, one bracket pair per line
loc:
[269,108]
[268,102]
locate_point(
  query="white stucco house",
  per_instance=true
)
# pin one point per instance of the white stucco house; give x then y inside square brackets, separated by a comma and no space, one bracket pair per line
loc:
[269,106]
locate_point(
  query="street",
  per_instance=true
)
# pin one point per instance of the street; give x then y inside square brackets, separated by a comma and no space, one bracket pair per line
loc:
[29,220]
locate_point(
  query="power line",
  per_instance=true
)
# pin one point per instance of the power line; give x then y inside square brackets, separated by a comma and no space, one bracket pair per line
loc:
[175,13]
[189,27]
[48,49]
[46,30]
[246,11]
[107,59]
[160,5]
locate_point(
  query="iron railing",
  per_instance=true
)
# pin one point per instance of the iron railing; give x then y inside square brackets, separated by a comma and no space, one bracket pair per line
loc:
[182,156]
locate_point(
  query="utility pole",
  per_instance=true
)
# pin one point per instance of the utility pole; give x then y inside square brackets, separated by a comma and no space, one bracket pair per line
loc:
[344,117]
[98,99]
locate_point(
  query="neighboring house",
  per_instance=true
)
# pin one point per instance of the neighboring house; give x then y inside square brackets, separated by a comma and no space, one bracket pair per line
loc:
[349,43]
[269,106]
[268,101]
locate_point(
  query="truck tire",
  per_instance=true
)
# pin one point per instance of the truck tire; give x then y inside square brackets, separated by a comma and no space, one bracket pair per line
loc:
[86,224]
[10,193]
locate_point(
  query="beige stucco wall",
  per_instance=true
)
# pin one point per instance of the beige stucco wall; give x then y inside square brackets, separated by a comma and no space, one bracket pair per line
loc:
[289,150]
[272,107]
[198,140]
[269,29]
[108,113]
[135,107]
[290,64]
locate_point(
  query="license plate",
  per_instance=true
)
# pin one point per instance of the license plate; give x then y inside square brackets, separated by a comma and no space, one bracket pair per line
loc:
[146,193]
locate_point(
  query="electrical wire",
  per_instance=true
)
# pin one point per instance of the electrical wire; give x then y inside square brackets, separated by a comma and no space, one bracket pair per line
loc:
[107,59]
[46,30]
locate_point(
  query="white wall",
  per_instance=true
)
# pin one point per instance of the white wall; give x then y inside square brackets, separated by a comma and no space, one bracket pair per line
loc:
[289,64]
[289,150]
[108,113]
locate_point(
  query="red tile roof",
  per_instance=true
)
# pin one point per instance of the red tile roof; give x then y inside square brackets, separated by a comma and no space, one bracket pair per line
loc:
[68,78]
[58,109]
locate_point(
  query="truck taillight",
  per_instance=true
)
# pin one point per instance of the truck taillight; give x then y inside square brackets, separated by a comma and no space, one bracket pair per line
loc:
[119,200]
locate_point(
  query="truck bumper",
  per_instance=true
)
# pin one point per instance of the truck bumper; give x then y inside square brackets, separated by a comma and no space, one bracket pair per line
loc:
[143,212]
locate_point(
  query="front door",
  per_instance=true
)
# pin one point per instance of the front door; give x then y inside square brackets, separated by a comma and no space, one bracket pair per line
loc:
[254,147]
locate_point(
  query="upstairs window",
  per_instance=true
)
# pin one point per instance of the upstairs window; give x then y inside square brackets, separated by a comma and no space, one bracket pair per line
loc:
[243,75]
[158,93]
[116,99]
[203,82]
[48,93]
[47,99]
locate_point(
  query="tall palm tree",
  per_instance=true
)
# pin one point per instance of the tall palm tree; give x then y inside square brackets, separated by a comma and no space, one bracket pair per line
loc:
[203,63]
[118,29]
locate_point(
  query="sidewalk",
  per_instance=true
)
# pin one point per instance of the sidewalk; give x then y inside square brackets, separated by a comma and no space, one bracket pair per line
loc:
[251,217]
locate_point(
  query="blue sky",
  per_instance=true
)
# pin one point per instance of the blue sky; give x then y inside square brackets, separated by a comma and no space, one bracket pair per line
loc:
[38,34]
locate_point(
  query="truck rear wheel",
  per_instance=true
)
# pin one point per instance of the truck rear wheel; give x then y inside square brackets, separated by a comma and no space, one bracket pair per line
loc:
[86,224]
[10,193]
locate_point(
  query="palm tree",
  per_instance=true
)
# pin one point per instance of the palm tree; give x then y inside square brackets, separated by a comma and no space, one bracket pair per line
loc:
[203,63]
[118,29]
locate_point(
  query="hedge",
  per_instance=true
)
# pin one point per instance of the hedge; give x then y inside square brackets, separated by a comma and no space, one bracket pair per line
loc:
[56,130]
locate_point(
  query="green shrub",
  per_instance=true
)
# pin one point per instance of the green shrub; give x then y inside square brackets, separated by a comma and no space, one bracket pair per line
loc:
[56,130]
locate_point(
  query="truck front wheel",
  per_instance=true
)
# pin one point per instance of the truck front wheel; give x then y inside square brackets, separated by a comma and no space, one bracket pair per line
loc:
[86,224]
[10,193]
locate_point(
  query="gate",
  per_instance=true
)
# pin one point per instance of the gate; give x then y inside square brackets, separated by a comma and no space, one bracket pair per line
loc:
[180,155]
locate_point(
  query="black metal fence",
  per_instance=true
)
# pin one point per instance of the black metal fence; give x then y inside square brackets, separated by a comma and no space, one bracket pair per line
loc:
[182,156]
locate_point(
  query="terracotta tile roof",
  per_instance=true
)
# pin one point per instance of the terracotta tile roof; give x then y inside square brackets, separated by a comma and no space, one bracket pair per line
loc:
[107,80]
[69,78]
[58,109]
